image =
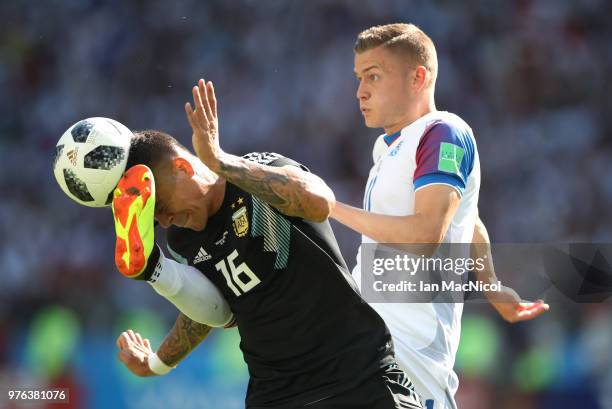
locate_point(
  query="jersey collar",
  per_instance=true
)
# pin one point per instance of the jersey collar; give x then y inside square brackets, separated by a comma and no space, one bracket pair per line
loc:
[389,139]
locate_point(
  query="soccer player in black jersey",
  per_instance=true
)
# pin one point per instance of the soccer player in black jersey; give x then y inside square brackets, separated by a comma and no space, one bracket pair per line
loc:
[256,227]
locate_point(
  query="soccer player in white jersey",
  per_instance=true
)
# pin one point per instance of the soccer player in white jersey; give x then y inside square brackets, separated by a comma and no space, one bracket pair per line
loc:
[423,188]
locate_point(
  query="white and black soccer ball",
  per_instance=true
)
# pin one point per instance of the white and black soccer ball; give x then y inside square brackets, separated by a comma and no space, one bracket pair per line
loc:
[90,158]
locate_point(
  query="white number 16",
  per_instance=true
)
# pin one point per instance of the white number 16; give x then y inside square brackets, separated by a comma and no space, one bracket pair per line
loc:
[235,279]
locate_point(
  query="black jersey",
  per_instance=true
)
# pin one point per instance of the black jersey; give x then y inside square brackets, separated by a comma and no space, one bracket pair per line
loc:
[306,334]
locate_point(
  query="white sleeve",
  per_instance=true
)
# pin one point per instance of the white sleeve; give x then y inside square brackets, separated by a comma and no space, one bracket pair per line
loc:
[191,292]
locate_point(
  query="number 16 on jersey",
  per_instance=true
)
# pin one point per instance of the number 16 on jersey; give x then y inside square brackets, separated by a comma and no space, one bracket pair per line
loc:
[240,278]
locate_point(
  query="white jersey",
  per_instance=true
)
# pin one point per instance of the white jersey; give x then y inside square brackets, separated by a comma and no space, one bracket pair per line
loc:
[438,148]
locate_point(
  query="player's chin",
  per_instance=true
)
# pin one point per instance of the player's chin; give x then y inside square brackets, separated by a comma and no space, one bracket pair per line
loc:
[197,227]
[372,122]
[195,224]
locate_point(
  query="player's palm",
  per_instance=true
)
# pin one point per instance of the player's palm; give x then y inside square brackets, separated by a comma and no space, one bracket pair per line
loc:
[204,123]
[134,352]
[512,308]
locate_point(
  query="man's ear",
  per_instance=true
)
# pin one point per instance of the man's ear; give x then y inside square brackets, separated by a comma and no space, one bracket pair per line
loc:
[183,165]
[420,77]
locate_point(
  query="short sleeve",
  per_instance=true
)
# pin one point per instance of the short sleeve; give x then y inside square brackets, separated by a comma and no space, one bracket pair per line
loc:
[445,155]
[273,159]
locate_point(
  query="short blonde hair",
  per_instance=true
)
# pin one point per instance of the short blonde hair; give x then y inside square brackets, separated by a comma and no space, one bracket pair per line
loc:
[405,39]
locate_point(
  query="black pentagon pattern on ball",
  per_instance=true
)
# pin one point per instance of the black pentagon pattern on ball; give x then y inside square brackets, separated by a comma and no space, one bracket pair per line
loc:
[58,152]
[81,130]
[104,157]
[76,186]
[109,198]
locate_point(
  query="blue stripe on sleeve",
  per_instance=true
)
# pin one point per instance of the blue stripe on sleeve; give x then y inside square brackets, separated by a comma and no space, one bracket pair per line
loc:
[440,178]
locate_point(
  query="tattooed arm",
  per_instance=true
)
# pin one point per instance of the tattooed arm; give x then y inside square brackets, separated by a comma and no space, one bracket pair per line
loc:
[291,190]
[184,337]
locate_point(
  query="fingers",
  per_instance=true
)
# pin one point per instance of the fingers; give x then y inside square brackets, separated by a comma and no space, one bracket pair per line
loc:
[147,343]
[202,117]
[212,99]
[206,102]
[190,115]
[527,311]
[133,352]
[528,305]
[136,338]
[204,97]
[122,341]
[132,336]
[119,341]
[199,114]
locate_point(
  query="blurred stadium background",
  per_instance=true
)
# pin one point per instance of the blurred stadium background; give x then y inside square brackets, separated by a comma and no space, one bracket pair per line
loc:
[531,77]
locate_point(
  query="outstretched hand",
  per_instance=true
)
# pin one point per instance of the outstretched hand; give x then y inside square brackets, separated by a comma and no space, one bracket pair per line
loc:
[204,123]
[513,309]
[134,352]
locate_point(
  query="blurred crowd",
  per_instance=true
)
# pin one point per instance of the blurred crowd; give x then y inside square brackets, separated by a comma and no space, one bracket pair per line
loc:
[532,78]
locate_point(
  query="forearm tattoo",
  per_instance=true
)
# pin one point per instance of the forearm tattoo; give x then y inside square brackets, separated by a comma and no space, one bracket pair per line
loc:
[290,192]
[182,339]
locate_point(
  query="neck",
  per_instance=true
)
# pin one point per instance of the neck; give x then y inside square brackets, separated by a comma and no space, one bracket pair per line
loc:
[212,188]
[428,105]
[217,192]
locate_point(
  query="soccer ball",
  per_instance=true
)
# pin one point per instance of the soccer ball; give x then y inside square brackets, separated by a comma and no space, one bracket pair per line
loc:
[90,158]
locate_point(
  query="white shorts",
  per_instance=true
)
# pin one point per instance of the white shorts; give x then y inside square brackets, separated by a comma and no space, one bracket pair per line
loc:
[432,395]
[434,382]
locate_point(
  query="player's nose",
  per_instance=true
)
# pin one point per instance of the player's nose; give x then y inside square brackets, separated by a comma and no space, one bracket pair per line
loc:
[362,92]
